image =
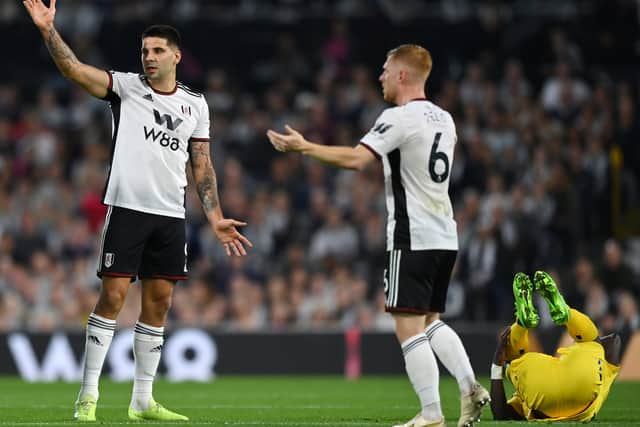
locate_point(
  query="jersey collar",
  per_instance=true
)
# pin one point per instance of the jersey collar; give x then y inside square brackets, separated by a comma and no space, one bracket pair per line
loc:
[175,88]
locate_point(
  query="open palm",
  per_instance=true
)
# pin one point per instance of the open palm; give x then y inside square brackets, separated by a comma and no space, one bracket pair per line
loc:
[41,15]
[230,237]
[291,141]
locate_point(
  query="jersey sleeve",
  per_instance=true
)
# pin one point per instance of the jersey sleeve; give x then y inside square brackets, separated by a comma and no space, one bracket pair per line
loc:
[120,83]
[386,134]
[201,132]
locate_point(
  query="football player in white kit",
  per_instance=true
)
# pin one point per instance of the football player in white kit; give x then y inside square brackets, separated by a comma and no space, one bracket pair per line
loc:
[415,143]
[158,125]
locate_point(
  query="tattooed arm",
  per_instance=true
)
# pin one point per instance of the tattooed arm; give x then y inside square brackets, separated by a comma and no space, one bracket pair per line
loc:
[93,80]
[207,185]
[205,179]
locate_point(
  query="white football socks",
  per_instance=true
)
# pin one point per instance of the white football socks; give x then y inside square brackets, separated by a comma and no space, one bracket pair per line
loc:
[147,348]
[98,339]
[448,347]
[422,369]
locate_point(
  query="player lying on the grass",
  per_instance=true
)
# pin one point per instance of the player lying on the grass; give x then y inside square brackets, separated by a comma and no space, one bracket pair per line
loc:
[570,387]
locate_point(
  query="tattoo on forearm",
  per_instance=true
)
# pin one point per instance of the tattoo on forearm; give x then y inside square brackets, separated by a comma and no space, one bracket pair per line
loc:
[204,175]
[208,191]
[61,53]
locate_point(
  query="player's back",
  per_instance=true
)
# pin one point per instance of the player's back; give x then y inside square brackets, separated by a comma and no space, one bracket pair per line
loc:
[572,386]
[428,155]
[421,138]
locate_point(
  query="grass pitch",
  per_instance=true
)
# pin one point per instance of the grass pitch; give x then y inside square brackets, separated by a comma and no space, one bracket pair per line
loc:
[271,401]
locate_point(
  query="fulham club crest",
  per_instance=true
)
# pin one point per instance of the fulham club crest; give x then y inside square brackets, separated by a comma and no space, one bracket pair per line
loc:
[186,109]
[108,259]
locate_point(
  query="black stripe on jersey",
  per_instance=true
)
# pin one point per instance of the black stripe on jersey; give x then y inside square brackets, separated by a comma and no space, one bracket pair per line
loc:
[115,104]
[401,233]
[190,91]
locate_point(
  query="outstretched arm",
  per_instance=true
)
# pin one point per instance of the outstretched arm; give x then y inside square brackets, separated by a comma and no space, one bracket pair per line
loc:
[499,407]
[93,80]
[207,185]
[343,157]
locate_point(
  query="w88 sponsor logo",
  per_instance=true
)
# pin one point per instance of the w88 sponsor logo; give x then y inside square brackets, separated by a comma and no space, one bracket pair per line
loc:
[162,138]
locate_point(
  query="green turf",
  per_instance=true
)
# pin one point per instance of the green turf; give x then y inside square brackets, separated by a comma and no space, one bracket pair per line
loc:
[270,401]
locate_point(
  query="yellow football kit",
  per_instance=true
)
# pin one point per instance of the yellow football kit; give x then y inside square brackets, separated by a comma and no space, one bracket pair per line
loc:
[571,387]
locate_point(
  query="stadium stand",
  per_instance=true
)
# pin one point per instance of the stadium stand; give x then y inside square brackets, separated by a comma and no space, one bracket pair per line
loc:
[545,174]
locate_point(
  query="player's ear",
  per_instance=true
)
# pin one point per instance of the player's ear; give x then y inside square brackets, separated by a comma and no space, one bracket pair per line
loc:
[403,75]
[178,56]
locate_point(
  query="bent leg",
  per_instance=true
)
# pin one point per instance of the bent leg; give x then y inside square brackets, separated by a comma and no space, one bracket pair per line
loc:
[448,346]
[518,342]
[581,327]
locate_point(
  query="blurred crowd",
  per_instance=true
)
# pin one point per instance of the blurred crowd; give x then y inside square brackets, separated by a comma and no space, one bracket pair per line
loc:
[545,167]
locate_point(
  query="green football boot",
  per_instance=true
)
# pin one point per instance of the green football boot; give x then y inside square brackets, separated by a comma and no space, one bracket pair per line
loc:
[85,408]
[547,288]
[526,314]
[155,412]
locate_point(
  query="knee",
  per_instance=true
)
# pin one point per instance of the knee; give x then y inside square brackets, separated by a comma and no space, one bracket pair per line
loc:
[111,300]
[159,304]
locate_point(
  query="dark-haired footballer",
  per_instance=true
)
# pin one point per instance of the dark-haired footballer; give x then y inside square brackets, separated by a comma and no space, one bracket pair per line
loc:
[158,125]
[570,387]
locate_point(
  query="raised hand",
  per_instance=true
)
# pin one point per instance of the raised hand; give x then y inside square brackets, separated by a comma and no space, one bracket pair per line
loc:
[292,141]
[41,15]
[501,347]
[230,237]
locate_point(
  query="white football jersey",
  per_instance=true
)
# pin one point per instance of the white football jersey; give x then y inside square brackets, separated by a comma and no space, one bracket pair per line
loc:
[150,148]
[415,142]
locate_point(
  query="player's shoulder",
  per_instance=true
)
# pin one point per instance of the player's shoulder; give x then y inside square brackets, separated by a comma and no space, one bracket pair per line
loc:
[126,76]
[121,82]
[389,118]
[435,107]
[435,114]
[188,91]
[438,110]
[390,114]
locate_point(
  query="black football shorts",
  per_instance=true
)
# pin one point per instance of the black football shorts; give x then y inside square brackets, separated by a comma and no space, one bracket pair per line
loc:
[141,245]
[417,281]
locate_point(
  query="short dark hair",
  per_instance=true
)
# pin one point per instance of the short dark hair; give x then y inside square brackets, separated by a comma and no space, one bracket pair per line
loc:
[167,32]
